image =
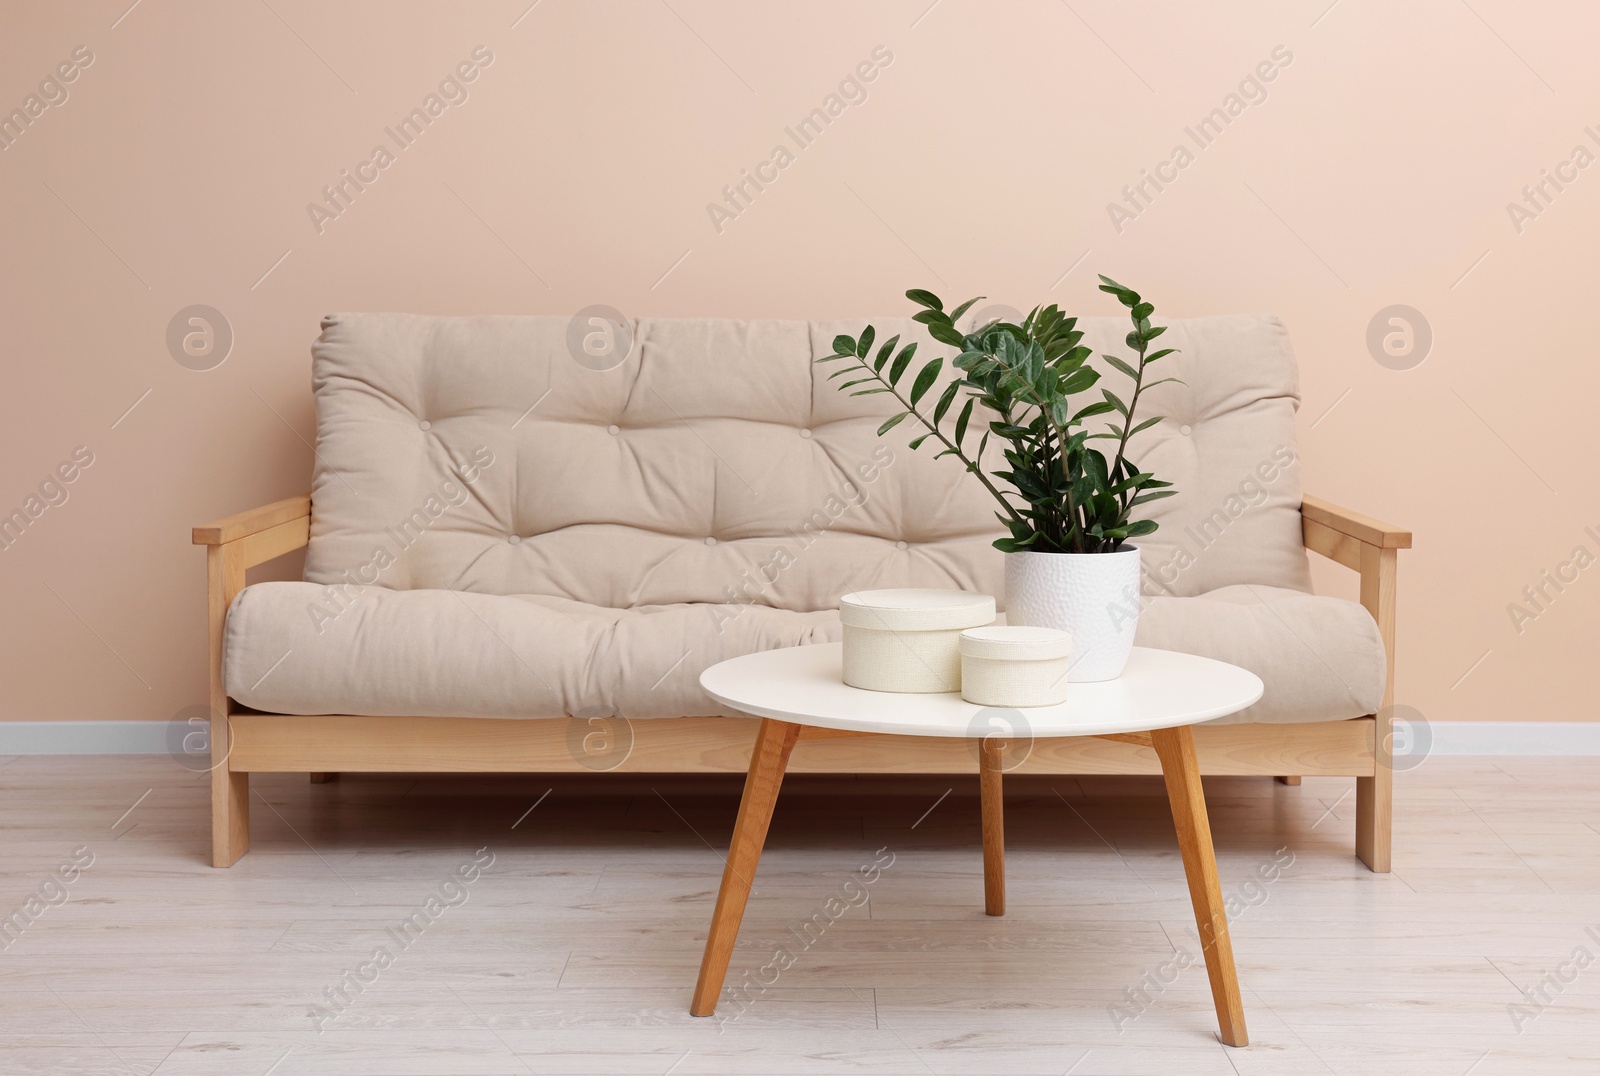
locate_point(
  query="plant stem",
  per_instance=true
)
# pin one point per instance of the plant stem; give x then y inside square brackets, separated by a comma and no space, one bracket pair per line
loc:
[1127,428]
[955,448]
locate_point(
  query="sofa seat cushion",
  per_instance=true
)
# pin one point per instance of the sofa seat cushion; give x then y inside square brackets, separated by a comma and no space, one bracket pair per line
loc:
[299,648]
[1320,658]
[449,653]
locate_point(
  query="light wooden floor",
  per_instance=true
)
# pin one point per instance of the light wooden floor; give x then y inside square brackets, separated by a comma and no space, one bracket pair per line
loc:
[576,951]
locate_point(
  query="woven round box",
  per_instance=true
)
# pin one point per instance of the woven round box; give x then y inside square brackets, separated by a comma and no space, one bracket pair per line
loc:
[1009,665]
[908,640]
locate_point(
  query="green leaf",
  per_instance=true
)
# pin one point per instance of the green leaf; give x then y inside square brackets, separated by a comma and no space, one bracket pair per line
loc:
[901,361]
[885,351]
[1015,544]
[844,345]
[1080,379]
[892,423]
[869,392]
[1126,296]
[945,401]
[946,333]
[1145,425]
[1131,482]
[1101,408]
[955,314]
[864,345]
[1163,353]
[925,298]
[916,443]
[1075,357]
[1144,526]
[1116,402]
[1143,311]
[925,379]
[1121,367]
[962,419]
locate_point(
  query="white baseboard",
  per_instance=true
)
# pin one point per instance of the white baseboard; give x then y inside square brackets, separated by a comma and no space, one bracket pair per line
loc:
[1515,737]
[1449,737]
[83,737]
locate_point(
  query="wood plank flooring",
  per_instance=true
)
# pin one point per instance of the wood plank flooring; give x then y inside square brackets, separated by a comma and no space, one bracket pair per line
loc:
[576,949]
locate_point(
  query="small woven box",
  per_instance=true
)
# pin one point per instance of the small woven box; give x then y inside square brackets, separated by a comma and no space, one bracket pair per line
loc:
[1010,665]
[908,640]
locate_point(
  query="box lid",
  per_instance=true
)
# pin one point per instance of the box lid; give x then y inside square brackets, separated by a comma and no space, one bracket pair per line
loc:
[914,609]
[1013,642]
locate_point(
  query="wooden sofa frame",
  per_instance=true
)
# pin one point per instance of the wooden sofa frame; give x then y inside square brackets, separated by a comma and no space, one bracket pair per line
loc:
[245,741]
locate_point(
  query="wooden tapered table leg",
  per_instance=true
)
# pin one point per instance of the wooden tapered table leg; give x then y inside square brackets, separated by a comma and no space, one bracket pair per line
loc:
[991,765]
[1175,748]
[767,762]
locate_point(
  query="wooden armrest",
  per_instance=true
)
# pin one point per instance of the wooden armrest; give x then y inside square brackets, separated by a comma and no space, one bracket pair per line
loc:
[254,521]
[1362,528]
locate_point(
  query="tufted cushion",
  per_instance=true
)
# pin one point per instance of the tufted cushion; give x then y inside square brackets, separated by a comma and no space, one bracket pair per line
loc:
[433,653]
[718,464]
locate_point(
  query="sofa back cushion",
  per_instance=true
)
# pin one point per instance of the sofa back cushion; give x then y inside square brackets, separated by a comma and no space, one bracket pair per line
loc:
[717,463]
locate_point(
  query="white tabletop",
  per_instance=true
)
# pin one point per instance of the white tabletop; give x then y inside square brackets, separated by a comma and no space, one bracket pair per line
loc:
[1159,689]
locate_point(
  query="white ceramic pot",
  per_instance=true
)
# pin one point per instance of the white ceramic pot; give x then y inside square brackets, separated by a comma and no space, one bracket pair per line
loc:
[1093,597]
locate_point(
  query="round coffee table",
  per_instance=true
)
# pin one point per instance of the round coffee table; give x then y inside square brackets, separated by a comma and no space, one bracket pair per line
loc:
[798,694]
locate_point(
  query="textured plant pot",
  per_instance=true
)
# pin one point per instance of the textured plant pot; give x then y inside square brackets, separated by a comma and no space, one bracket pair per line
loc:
[1093,597]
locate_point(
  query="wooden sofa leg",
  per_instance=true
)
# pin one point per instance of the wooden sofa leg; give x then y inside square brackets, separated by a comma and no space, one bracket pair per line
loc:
[1375,798]
[322,778]
[1288,780]
[230,816]
[1373,821]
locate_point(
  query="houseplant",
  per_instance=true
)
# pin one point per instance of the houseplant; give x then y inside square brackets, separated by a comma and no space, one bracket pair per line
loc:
[1068,508]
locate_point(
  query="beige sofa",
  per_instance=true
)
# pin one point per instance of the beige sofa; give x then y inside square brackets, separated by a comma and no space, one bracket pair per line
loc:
[517,562]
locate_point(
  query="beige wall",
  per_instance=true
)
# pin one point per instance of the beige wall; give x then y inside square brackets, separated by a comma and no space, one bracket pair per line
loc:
[1377,171]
